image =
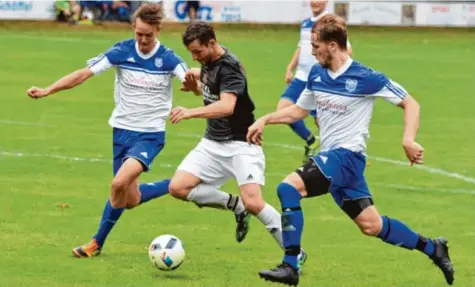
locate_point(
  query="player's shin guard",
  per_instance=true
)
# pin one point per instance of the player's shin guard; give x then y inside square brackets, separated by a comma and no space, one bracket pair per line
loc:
[397,233]
[292,222]
[303,132]
[153,190]
[206,195]
[110,216]
[271,219]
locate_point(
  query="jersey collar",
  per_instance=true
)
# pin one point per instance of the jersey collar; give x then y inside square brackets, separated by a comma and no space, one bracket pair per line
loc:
[314,19]
[341,70]
[149,55]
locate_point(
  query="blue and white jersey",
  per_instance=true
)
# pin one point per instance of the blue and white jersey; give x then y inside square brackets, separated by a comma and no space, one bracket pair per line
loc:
[142,88]
[344,102]
[306,59]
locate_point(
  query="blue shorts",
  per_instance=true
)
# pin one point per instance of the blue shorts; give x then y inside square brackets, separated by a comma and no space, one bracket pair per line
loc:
[293,91]
[139,145]
[345,170]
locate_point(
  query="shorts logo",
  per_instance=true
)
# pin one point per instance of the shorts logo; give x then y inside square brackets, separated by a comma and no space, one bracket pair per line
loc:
[250,177]
[144,154]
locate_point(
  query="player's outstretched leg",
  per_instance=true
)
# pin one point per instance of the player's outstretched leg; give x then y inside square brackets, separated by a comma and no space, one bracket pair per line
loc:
[111,215]
[292,226]
[125,193]
[254,203]
[186,186]
[397,233]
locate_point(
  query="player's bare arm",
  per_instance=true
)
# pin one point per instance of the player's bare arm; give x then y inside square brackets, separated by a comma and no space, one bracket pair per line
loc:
[222,108]
[289,73]
[67,82]
[414,151]
[287,115]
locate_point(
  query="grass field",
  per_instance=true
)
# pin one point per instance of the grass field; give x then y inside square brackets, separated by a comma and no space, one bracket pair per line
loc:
[55,168]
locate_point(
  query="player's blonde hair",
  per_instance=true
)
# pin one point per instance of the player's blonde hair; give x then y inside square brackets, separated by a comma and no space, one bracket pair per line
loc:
[151,14]
[331,28]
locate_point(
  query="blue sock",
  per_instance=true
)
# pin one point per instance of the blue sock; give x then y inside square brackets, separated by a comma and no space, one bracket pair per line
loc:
[397,233]
[292,222]
[153,190]
[110,216]
[301,130]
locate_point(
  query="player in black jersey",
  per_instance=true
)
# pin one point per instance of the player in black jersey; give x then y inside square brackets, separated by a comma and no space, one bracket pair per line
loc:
[223,153]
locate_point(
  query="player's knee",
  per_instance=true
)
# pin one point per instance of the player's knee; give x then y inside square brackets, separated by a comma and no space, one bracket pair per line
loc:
[252,198]
[370,227]
[178,190]
[254,206]
[116,201]
[118,185]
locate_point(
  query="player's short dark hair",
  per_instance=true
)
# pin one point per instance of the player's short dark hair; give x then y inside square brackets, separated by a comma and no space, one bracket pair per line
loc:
[331,28]
[151,14]
[201,31]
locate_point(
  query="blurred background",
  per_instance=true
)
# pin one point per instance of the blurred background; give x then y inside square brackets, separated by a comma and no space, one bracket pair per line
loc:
[391,13]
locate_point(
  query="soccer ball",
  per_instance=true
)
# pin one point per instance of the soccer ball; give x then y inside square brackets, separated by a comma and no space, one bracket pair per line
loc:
[166,252]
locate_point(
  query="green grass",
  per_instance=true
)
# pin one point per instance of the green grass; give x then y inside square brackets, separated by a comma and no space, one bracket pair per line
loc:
[37,234]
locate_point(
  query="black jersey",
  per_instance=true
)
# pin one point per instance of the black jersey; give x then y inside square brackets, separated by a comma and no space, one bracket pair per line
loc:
[226,74]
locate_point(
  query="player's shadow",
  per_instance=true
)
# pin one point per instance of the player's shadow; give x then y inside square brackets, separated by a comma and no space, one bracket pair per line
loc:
[171,276]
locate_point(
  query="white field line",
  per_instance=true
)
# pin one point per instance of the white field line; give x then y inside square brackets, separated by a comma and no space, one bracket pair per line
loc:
[425,168]
[169,166]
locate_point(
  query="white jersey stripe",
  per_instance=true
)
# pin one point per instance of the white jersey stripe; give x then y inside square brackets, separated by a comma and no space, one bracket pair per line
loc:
[145,71]
[397,91]
[95,60]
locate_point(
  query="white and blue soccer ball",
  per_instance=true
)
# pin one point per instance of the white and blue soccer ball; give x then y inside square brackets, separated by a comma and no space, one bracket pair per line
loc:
[166,252]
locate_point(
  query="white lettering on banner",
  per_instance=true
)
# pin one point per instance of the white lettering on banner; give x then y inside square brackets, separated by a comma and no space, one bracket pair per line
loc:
[27,10]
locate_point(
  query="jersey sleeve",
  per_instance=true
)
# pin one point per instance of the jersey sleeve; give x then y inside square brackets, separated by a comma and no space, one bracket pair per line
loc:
[378,85]
[106,60]
[175,64]
[180,71]
[232,81]
[306,100]
[392,92]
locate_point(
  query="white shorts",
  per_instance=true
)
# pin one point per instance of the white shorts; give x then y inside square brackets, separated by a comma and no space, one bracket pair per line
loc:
[215,162]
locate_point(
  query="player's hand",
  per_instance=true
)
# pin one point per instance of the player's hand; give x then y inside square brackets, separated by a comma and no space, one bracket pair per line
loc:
[288,76]
[191,82]
[254,133]
[414,152]
[178,114]
[36,93]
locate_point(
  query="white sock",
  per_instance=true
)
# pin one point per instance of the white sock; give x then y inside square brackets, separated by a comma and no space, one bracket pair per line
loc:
[206,195]
[271,219]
